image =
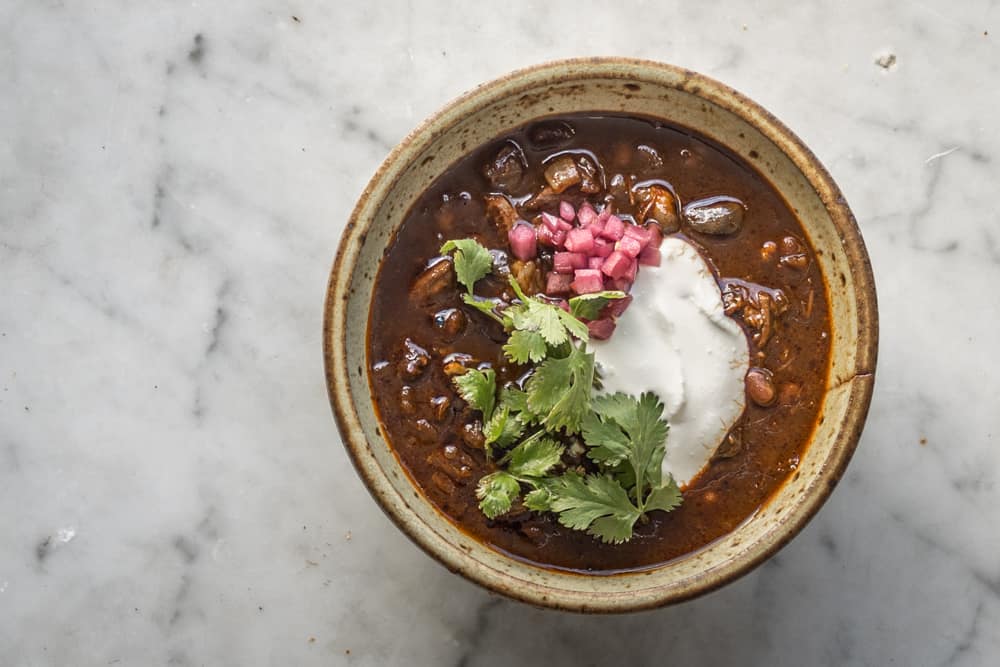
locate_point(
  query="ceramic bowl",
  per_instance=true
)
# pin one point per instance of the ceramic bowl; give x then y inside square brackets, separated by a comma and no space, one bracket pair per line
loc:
[680,97]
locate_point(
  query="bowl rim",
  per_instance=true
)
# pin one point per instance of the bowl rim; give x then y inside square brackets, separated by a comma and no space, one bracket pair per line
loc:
[862,379]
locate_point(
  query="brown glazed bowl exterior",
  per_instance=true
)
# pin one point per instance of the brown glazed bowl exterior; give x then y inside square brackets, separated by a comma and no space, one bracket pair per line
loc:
[615,85]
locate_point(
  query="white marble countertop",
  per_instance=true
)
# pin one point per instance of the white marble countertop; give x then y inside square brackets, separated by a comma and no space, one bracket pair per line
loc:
[173,182]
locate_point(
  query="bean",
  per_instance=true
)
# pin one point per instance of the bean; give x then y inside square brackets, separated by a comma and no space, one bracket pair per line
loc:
[760,386]
[450,321]
[439,407]
[790,245]
[716,216]
[472,435]
[406,400]
[500,212]
[415,360]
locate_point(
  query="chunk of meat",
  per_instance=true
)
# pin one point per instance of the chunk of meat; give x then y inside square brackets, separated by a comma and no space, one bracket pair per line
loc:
[731,445]
[528,275]
[506,170]
[656,202]
[590,175]
[500,212]
[543,199]
[562,173]
[759,307]
[432,282]
[550,133]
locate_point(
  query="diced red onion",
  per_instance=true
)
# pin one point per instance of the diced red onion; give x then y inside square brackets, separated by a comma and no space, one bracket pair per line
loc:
[601,329]
[629,246]
[603,247]
[616,265]
[557,283]
[633,268]
[616,307]
[614,228]
[545,235]
[640,234]
[655,235]
[559,239]
[619,284]
[522,241]
[595,262]
[566,211]
[650,256]
[580,240]
[587,281]
[586,215]
[568,262]
[551,221]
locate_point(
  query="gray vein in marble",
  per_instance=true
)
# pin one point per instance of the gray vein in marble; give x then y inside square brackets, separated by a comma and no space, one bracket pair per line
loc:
[477,630]
[968,641]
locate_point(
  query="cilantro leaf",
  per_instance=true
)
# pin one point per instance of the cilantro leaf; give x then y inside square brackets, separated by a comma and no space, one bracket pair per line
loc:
[665,497]
[496,493]
[534,457]
[552,322]
[472,261]
[573,325]
[628,429]
[589,306]
[487,307]
[618,406]
[502,428]
[648,434]
[595,503]
[524,346]
[517,399]
[611,446]
[539,499]
[478,389]
[559,390]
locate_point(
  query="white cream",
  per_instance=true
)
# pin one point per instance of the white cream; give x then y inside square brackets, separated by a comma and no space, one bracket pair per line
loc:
[675,341]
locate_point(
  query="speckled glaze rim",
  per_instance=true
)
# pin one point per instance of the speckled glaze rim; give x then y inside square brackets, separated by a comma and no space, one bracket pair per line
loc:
[862,380]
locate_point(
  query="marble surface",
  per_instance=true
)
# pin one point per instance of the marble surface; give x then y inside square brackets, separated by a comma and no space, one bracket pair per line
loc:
[173,181]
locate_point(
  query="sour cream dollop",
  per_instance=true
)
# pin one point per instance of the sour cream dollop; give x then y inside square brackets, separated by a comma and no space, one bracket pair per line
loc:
[676,341]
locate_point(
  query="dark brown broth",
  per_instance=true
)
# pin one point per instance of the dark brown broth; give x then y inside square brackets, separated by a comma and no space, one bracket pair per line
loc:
[428,440]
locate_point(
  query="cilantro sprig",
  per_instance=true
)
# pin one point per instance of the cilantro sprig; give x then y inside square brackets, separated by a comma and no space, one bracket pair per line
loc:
[625,437]
[472,260]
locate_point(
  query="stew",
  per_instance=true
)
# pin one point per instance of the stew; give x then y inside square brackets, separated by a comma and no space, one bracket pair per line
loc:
[661,179]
